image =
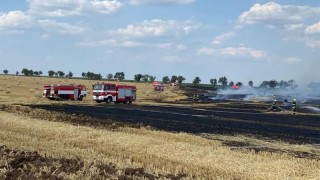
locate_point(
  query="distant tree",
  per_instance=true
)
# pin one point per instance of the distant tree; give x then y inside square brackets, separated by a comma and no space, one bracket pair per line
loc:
[83,74]
[165,79]
[273,84]
[224,81]
[283,84]
[145,78]
[70,74]
[36,73]
[17,73]
[264,84]
[173,79]
[109,76]
[137,77]
[119,76]
[25,72]
[250,83]
[196,81]
[40,73]
[56,74]
[292,84]
[90,75]
[231,83]
[97,76]
[239,84]
[152,78]
[5,71]
[60,73]
[180,79]
[211,82]
[51,73]
[30,72]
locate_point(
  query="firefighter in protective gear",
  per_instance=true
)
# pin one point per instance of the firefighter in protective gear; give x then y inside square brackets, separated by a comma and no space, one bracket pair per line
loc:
[274,106]
[294,106]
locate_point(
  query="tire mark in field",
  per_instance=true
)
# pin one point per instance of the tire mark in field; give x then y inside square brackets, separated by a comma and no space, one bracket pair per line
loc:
[195,123]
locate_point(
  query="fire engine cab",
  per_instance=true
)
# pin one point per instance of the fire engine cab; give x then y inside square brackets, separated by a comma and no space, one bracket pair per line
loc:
[64,92]
[113,93]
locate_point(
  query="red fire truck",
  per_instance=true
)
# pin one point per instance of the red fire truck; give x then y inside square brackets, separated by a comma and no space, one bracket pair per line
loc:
[64,92]
[113,93]
[157,86]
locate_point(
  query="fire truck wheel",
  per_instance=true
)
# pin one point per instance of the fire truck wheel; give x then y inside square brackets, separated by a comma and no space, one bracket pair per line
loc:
[98,101]
[109,100]
[80,98]
[128,101]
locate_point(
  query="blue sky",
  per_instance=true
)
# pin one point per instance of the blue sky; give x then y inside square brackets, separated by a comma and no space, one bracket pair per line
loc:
[242,40]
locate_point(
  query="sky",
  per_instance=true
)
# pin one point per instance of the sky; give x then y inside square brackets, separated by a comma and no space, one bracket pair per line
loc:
[243,40]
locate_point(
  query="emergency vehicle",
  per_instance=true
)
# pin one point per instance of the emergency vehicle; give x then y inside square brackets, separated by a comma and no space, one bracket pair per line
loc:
[64,92]
[106,92]
[157,86]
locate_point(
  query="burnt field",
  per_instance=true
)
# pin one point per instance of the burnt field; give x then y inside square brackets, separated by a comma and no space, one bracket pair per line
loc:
[249,120]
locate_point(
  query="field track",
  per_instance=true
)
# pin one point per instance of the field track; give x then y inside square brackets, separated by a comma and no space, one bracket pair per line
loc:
[302,129]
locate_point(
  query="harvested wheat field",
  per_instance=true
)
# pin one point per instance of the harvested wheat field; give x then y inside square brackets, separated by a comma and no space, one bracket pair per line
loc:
[160,136]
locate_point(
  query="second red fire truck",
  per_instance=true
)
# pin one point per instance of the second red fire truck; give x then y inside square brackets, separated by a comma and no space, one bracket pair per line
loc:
[107,92]
[64,92]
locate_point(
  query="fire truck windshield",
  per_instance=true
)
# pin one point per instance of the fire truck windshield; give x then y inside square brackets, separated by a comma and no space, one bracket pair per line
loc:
[98,87]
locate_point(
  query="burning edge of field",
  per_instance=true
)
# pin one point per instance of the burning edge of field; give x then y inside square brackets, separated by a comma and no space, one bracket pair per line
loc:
[158,154]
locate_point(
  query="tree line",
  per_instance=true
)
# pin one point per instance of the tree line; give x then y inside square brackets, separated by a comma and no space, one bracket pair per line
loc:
[120,76]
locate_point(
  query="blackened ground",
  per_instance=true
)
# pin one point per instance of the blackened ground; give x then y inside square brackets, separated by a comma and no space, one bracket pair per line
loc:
[31,165]
[298,128]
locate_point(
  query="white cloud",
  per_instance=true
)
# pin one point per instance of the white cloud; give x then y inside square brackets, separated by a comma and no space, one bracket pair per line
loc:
[15,19]
[171,45]
[157,27]
[242,51]
[172,59]
[223,37]
[61,28]
[155,2]
[233,52]
[110,43]
[291,60]
[277,15]
[315,28]
[313,43]
[72,7]
[206,51]
[294,27]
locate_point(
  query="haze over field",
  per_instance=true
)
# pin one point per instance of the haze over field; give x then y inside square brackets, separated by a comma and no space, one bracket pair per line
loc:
[243,40]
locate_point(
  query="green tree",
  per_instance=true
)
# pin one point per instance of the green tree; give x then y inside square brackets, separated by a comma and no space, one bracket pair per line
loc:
[60,73]
[239,84]
[70,74]
[173,79]
[36,73]
[51,73]
[264,84]
[180,79]
[137,77]
[5,71]
[83,74]
[250,83]
[25,72]
[40,73]
[231,83]
[17,73]
[152,78]
[119,76]
[109,76]
[145,78]
[283,84]
[30,72]
[196,81]
[165,79]
[273,84]
[224,81]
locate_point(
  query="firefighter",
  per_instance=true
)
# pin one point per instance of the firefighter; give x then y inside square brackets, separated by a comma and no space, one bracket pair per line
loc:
[294,106]
[274,106]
